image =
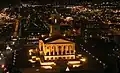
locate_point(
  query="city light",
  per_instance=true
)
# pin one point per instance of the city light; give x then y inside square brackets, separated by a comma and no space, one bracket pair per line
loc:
[48,63]
[46,67]
[31,50]
[32,61]
[76,66]
[67,69]
[83,59]
[33,57]
[79,55]
[53,32]
[2,66]
[8,47]
[73,62]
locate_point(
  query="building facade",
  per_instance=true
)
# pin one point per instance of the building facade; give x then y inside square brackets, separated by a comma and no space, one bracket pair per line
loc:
[56,49]
[59,49]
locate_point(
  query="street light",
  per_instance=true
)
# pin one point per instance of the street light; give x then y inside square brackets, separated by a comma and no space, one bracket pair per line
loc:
[83,59]
[8,48]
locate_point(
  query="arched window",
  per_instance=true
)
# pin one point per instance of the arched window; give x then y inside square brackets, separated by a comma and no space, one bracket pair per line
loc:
[64,52]
[41,48]
[55,58]
[55,52]
[63,57]
[59,52]
[71,57]
[59,47]
[52,53]
[47,54]
[72,52]
[53,48]
[52,58]
[69,49]
[67,57]
[47,58]
[68,52]
[60,58]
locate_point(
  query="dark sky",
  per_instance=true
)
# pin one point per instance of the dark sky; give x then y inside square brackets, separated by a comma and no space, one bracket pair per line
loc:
[6,2]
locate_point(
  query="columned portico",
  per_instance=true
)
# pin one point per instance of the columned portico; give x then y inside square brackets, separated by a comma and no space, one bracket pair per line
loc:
[59,49]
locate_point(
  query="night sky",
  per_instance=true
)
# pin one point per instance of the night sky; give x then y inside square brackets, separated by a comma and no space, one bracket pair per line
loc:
[7,2]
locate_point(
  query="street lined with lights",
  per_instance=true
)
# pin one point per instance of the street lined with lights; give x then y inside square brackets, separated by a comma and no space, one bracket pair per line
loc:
[104,65]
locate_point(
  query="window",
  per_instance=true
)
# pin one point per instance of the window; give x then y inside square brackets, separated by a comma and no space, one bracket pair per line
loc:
[67,57]
[47,58]
[64,52]
[41,48]
[47,53]
[52,53]
[55,53]
[72,52]
[71,57]
[59,57]
[67,52]
[59,52]
[59,47]
[52,58]
[56,58]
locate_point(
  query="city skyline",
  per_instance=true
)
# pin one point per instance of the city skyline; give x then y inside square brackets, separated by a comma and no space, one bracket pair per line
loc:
[59,37]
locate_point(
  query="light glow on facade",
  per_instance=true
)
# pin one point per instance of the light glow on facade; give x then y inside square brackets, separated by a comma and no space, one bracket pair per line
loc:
[32,61]
[47,67]
[48,63]
[73,62]
[76,66]
[83,59]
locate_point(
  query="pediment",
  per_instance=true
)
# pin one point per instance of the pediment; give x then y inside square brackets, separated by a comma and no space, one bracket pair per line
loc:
[60,41]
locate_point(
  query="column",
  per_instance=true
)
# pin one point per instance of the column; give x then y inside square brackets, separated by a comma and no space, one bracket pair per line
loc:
[39,45]
[74,48]
[53,49]
[66,49]
[62,49]
[46,50]
[70,49]
[57,50]
[49,49]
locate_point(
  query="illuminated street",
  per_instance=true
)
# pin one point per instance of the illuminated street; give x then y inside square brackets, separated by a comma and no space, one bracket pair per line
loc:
[60,36]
